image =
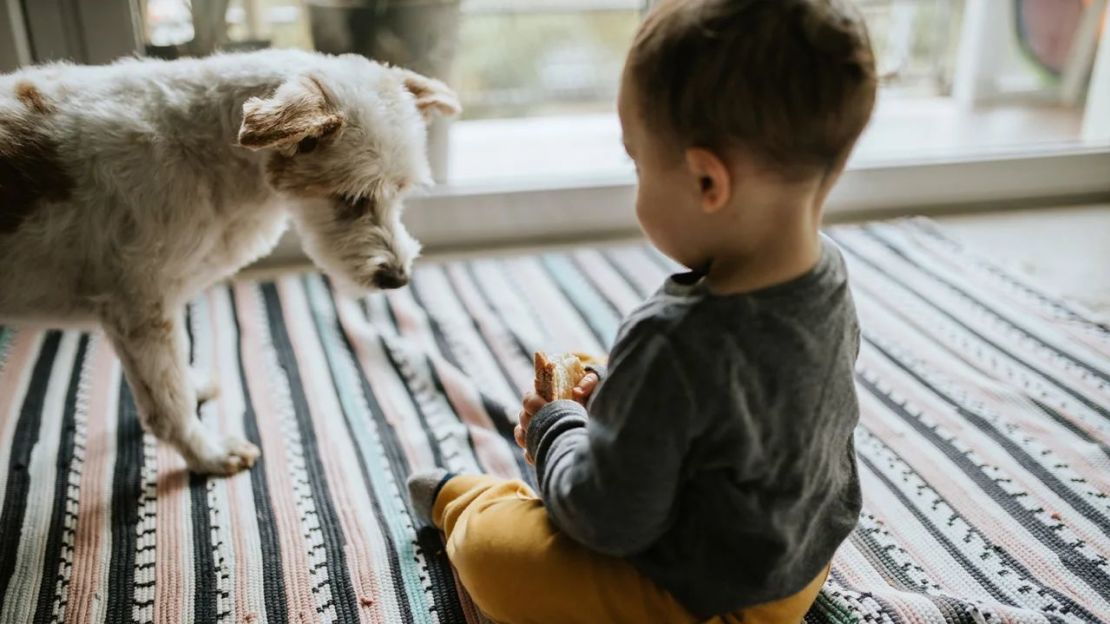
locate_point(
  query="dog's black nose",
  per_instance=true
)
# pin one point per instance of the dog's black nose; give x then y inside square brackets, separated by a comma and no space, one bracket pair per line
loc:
[390,277]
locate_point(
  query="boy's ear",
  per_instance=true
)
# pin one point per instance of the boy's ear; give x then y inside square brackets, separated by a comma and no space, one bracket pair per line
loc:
[713,178]
[432,96]
[300,108]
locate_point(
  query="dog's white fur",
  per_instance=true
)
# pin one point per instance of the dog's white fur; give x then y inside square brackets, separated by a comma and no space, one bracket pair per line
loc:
[126,189]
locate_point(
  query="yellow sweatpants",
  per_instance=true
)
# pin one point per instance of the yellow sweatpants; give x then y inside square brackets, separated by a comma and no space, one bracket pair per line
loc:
[520,570]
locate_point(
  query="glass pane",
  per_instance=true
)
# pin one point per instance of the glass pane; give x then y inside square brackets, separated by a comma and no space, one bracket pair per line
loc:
[915,43]
[524,63]
[538,78]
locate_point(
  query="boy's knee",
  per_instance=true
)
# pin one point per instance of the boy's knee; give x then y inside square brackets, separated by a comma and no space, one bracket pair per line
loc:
[495,552]
[483,545]
[483,568]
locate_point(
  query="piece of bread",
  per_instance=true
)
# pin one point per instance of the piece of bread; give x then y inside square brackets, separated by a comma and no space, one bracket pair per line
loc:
[557,375]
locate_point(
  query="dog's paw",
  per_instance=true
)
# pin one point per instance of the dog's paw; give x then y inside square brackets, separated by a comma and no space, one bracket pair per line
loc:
[222,455]
[205,386]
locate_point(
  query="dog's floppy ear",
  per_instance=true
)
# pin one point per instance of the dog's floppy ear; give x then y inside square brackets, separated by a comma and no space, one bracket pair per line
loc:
[300,108]
[432,96]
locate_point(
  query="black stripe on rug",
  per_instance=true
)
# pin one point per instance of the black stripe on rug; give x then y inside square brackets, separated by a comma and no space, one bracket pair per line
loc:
[874,234]
[126,491]
[487,297]
[1018,361]
[1075,563]
[52,556]
[570,294]
[1020,455]
[342,591]
[24,439]
[969,566]
[273,583]
[930,229]
[205,591]
[896,574]
[445,597]
[493,409]
[613,263]
[483,332]
[379,514]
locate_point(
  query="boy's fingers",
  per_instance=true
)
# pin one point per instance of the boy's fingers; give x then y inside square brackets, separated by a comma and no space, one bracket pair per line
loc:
[524,418]
[518,433]
[533,403]
[528,458]
[585,387]
[588,382]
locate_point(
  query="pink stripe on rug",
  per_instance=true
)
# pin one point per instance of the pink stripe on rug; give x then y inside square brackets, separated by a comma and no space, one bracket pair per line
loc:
[85,600]
[927,551]
[14,378]
[476,357]
[173,564]
[492,452]
[278,471]
[568,330]
[495,333]
[1064,448]
[854,567]
[337,453]
[392,395]
[990,286]
[248,600]
[966,499]
[610,285]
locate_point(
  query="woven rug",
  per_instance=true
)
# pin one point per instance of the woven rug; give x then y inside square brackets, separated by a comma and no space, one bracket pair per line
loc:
[984,444]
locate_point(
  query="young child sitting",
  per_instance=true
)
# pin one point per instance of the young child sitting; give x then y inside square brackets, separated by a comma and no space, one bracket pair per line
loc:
[711,475]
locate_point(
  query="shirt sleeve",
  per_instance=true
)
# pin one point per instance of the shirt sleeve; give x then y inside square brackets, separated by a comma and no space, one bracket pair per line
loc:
[609,477]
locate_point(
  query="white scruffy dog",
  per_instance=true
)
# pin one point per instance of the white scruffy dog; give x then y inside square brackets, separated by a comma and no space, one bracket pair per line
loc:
[127,189]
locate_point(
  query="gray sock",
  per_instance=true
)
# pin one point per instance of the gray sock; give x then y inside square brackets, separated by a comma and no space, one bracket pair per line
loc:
[423,488]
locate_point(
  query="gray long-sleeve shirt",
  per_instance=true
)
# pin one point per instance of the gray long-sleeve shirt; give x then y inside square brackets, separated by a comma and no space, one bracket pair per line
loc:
[717,451]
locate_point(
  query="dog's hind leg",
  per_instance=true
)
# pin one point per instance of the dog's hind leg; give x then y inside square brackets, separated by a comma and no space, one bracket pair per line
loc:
[152,345]
[206,387]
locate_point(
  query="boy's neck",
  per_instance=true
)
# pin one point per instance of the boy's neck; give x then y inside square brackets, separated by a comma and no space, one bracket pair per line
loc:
[789,247]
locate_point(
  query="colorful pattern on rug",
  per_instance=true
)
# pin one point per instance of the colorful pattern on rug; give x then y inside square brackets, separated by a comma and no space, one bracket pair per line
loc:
[984,444]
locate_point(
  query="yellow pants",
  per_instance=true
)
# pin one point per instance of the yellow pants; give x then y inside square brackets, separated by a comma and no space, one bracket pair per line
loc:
[520,570]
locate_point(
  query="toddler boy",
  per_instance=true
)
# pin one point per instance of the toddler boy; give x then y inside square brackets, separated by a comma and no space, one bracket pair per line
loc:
[711,475]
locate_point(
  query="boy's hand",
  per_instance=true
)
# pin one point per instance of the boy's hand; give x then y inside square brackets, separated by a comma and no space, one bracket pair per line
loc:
[585,388]
[532,403]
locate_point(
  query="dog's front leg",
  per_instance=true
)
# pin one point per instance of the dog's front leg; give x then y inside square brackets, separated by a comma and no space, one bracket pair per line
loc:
[152,346]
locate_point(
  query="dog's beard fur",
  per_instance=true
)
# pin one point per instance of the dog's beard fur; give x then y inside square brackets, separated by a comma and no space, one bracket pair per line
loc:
[356,250]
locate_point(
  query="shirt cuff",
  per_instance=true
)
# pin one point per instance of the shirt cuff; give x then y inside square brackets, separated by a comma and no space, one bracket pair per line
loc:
[553,420]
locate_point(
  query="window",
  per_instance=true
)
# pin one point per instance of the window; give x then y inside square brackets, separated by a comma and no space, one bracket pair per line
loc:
[538,78]
[958,79]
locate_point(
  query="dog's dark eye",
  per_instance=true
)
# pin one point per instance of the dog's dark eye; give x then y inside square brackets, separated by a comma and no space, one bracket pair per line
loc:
[355,207]
[307,144]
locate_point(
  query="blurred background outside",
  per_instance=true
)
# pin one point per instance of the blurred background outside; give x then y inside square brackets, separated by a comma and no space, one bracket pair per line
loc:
[538,78]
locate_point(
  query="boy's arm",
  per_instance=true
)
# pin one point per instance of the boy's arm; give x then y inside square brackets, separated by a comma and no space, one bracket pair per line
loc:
[612,485]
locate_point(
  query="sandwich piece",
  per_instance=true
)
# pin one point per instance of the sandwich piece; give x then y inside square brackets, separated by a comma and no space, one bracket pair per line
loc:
[557,375]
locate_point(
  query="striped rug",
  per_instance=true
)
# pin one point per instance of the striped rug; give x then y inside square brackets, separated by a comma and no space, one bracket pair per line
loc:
[984,445]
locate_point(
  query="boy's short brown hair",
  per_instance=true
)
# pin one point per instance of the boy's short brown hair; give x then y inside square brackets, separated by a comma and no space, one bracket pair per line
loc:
[791,82]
